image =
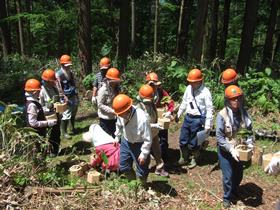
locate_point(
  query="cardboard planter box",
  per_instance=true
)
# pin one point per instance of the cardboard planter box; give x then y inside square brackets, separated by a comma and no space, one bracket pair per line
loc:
[160,111]
[165,122]
[51,117]
[93,177]
[84,166]
[60,107]
[245,154]
[76,170]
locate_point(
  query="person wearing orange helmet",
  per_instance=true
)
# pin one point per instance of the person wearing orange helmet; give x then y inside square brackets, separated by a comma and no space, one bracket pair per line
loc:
[106,94]
[104,65]
[160,101]
[229,77]
[197,103]
[145,102]
[134,132]
[228,123]
[35,117]
[67,87]
[49,94]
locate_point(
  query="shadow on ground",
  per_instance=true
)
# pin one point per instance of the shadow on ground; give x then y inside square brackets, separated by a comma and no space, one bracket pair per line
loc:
[79,148]
[163,187]
[251,194]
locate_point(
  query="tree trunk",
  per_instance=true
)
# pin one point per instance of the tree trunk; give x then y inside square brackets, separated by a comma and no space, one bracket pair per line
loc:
[183,27]
[84,36]
[4,29]
[247,36]
[224,33]
[29,34]
[268,46]
[276,53]
[156,27]
[20,27]
[132,45]
[214,29]
[199,30]
[123,33]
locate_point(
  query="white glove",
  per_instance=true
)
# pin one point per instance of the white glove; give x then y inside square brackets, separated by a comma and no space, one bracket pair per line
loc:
[52,123]
[93,100]
[167,114]
[249,141]
[273,167]
[156,125]
[234,153]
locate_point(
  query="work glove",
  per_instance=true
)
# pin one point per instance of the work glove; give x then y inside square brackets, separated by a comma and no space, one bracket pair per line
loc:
[167,114]
[234,153]
[273,167]
[156,125]
[52,123]
[249,141]
[94,100]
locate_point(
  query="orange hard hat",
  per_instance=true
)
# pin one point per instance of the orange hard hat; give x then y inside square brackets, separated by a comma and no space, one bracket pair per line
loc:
[195,75]
[233,91]
[229,76]
[146,92]
[121,104]
[113,74]
[152,77]
[49,75]
[105,63]
[32,85]
[65,59]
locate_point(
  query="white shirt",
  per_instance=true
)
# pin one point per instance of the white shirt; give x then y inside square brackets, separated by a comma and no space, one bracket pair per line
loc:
[203,100]
[137,130]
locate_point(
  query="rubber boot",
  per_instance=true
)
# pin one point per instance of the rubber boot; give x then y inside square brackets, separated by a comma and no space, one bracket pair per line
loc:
[63,127]
[143,181]
[72,126]
[130,175]
[184,156]
[194,157]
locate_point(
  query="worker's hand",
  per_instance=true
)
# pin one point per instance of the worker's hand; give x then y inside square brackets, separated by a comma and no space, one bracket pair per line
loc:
[141,160]
[234,153]
[156,125]
[94,100]
[167,114]
[273,167]
[52,123]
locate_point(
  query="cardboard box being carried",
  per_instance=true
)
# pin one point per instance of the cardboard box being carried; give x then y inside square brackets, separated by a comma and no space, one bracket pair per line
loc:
[245,153]
[160,111]
[60,107]
[93,177]
[165,122]
[51,117]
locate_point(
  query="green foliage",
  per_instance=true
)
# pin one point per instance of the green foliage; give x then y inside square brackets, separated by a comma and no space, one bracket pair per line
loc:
[88,80]
[53,177]
[261,90]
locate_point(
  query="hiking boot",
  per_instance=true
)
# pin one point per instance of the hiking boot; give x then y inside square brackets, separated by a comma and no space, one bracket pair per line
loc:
[143,181]
[192,164]
[226,204]
[161,172]
[184,153]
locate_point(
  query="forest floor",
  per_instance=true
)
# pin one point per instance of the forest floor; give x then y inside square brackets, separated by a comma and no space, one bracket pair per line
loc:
[199,188]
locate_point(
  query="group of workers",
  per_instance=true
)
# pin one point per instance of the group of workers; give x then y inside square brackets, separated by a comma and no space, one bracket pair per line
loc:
[134,129]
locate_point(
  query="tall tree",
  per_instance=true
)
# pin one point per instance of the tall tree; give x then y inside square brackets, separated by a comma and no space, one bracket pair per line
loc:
[132,45]
[84,36]
[224,31]
[247,36]
[28,4]
[214,28]
[199,30]
[183,27]
[156,26]
[268,46]
[20,27]
[4,29]
[123,44]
